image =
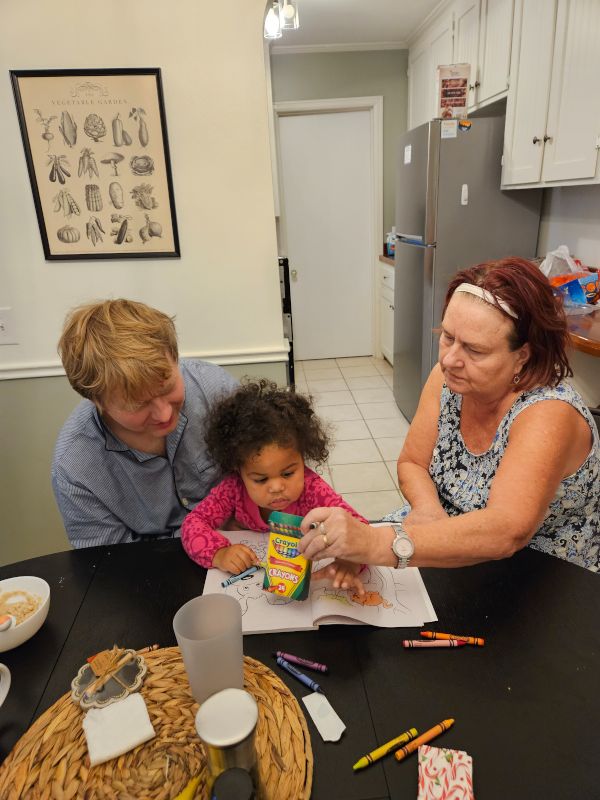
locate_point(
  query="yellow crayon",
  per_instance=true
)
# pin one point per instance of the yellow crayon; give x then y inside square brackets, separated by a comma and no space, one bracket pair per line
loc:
[384,749]
[475,640]
[423,739]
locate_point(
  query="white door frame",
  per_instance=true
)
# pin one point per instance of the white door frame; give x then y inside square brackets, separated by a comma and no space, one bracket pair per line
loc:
[374,105]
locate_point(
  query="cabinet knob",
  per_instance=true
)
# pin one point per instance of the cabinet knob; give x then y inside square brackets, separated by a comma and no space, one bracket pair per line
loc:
[294,274]
[392,307]
[547,138]
[536,140]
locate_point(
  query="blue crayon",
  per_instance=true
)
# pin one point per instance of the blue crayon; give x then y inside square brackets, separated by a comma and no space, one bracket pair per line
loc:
[299,675]
[234,578]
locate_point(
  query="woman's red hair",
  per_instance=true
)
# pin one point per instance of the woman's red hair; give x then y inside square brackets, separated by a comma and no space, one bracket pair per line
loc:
[540,322]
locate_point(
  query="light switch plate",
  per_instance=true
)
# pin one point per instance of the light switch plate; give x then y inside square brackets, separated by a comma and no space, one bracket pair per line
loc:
[8,333]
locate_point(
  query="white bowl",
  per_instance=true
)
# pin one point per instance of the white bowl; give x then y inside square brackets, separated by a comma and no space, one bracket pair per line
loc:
[20,633]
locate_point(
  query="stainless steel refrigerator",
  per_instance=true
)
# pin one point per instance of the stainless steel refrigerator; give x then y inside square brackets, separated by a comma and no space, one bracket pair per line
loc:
[450,214]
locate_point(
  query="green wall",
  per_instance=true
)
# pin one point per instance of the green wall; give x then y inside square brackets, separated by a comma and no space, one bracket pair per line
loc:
[32,412]
[317,76]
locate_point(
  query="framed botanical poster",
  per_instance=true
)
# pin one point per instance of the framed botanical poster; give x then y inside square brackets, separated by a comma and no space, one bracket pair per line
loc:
[98,159]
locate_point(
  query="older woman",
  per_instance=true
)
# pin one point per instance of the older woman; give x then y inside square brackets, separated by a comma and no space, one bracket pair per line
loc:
[502,452]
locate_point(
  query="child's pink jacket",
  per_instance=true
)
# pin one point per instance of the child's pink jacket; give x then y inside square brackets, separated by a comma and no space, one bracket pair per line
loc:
[230,500]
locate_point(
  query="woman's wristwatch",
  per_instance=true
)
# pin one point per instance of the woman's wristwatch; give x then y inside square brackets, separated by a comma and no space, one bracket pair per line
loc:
[403,546]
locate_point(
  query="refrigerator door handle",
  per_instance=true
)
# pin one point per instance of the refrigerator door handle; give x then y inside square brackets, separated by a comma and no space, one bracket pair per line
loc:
[414,240]
[414,237]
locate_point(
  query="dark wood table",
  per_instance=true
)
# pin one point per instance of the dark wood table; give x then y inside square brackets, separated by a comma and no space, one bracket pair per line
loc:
[526,705]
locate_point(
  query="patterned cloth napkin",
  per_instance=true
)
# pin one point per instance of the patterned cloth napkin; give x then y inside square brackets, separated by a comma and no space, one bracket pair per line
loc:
[445,774]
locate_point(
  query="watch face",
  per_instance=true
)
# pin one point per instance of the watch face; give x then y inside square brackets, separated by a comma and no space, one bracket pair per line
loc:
[403,548]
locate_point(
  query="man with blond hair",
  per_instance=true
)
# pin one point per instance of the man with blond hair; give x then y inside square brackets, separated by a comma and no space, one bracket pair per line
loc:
[130,461]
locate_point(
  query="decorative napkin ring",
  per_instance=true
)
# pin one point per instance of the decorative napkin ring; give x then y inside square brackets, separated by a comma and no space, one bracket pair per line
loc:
[109,676]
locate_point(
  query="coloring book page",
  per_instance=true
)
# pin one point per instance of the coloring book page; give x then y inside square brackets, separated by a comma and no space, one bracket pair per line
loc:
[394,598]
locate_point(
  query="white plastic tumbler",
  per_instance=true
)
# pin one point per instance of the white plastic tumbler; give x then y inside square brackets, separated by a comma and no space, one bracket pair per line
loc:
[209,634]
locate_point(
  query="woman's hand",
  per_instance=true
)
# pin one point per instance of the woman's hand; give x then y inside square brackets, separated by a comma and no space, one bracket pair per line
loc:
[334,533]
[343,575]
[235,558]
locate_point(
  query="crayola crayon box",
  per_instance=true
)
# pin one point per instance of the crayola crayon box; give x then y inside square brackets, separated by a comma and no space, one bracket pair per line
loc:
[287,573]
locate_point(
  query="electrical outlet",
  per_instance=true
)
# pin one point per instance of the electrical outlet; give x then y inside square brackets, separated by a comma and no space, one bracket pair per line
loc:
[7,327]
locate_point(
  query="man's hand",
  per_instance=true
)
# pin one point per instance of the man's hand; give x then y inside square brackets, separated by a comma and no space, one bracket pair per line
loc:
[235,558]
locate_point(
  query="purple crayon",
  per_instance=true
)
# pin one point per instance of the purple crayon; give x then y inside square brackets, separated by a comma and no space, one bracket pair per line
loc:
[304,662]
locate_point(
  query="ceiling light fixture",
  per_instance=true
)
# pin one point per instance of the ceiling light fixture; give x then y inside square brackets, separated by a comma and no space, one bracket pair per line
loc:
[272,22]
[288,15]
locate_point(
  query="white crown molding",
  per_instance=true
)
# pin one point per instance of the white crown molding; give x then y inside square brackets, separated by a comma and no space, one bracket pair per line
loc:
[292,49]
[262,355]
[436,12]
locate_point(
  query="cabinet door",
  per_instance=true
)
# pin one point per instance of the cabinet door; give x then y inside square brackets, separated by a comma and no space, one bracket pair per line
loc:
[466,39]
[495,39]
[419,91]
[526,110]
[574,111]
[440,49]
[386,322]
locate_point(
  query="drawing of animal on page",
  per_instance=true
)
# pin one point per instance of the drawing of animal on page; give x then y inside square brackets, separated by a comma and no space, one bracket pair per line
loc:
[382,604]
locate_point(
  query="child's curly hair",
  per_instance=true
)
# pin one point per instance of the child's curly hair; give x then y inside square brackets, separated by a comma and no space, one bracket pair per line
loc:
[258,414]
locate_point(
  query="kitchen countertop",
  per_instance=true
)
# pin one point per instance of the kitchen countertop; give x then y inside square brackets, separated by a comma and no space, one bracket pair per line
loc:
[585,332]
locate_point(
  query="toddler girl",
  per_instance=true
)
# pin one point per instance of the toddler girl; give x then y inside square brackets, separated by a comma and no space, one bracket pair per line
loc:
[260,437]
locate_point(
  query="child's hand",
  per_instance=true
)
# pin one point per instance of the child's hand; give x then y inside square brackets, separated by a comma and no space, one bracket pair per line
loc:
[344,575]
[235,558]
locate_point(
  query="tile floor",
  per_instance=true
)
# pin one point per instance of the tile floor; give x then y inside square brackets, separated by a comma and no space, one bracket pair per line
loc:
[355,396]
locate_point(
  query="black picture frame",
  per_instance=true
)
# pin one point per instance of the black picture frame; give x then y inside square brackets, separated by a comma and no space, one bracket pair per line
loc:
[97,154]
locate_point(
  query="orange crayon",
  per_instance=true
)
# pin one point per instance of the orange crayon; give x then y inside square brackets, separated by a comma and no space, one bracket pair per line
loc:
[474,640]
[423,739]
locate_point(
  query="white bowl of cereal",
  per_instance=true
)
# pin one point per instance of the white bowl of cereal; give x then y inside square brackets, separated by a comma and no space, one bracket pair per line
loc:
[27,599]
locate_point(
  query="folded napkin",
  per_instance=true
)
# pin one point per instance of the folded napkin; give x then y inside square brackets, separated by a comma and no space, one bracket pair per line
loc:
[444,774]
[329,725]
[117,728]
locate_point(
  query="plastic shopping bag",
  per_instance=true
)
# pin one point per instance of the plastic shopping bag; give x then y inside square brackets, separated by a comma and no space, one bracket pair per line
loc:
[558,262]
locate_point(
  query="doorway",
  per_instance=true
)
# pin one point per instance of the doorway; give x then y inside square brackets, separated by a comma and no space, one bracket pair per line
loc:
[330,170]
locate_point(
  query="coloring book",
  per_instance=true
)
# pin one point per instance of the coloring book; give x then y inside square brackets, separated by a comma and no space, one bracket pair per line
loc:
[394,598]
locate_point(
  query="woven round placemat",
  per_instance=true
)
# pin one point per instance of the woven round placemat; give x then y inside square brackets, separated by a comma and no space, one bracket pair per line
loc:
[50,761]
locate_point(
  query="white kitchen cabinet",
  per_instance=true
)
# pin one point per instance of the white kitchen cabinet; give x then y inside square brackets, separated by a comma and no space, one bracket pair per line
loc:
[419,80]
[386,312]
[553,110]
[433,48]
[573,127]
[495,38]
[466,41]
[475,32]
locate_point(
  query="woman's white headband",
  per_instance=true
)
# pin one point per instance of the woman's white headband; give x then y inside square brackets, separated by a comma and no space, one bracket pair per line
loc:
[490,298]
